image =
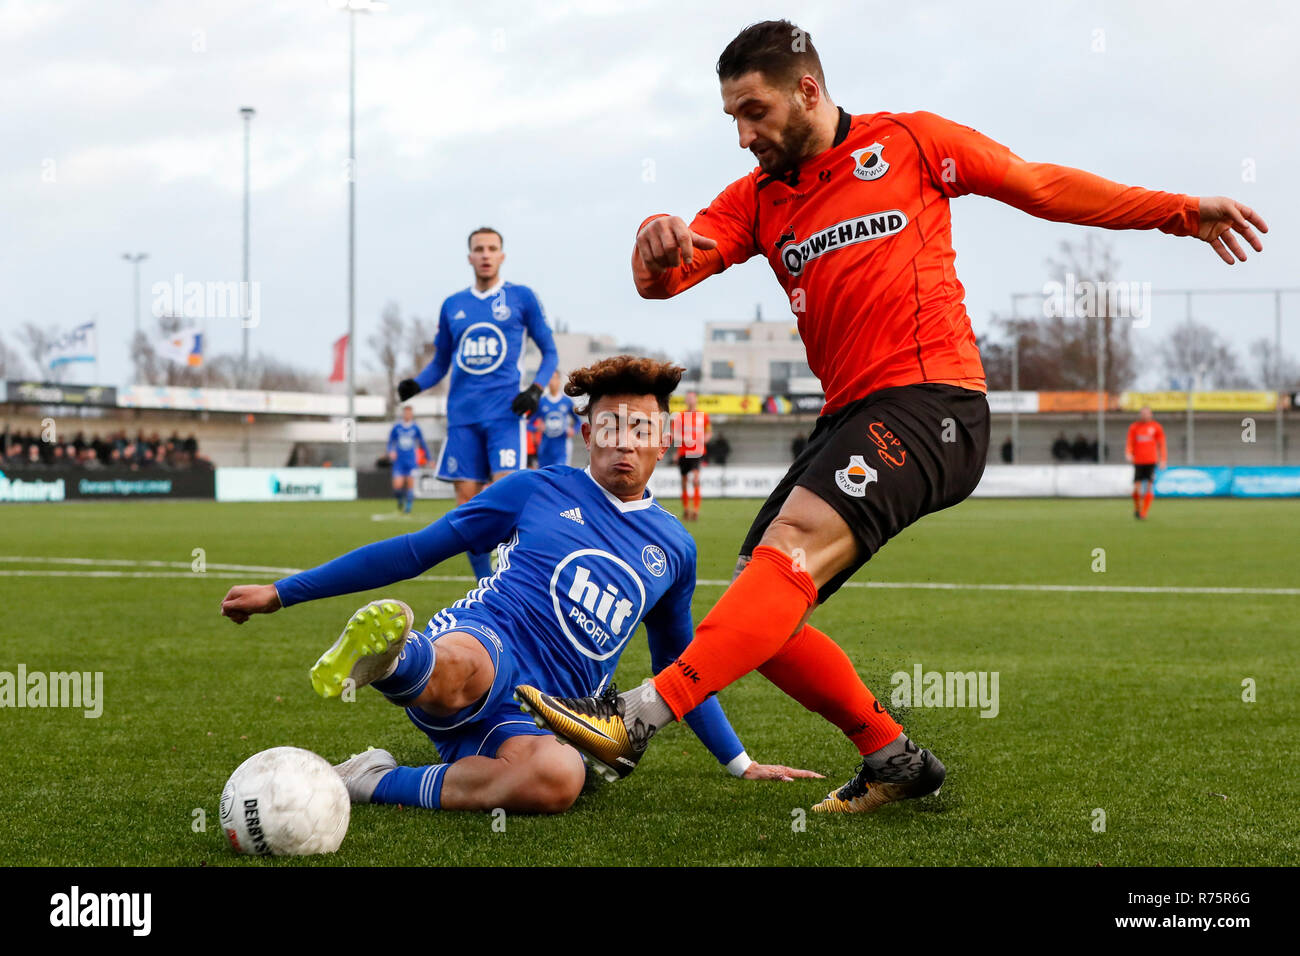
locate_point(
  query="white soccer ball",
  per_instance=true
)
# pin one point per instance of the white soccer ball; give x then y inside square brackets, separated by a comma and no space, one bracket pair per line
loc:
[285,802]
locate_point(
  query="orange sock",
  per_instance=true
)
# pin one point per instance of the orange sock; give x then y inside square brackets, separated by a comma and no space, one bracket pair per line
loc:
[686,500]
[1146,502]
[754,617]
[1137,501]
[816,672]
[697,496]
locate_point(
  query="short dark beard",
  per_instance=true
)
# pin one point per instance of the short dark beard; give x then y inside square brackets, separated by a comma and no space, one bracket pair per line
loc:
[795,136]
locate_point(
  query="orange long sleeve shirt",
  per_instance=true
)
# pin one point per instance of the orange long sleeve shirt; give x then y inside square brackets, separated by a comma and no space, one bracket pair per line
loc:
[860,237]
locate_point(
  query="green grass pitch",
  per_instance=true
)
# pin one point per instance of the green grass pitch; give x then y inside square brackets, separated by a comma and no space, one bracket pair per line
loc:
[1128,703]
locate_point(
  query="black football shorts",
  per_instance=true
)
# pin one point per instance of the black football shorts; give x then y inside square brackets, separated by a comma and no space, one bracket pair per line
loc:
[885,461]
[1144,472]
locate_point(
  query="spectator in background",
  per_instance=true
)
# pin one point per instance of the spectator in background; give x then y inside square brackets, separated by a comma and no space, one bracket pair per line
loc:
[797,445]
[1079,450]
[718,450]
[1008,451]
[1061,448]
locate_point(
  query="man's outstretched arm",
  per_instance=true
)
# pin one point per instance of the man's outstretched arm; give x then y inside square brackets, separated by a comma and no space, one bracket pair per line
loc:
[962,161]
[477,525]
[1064,194]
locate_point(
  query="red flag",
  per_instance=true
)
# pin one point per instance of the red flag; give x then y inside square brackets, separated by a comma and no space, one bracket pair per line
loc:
[340,360]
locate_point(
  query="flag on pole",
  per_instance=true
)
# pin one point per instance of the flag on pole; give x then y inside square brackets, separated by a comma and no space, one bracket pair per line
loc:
[183,348]
[339,374]
[76,345]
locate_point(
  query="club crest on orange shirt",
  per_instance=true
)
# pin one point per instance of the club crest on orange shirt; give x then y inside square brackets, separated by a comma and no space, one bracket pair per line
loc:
[869,162]
[854,477]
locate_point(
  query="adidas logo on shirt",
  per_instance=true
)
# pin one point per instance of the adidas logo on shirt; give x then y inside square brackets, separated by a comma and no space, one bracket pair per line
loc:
[573,514]
[460,314]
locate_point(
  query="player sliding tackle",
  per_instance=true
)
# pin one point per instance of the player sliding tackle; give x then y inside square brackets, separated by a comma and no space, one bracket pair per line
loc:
[852,214]
[587,557]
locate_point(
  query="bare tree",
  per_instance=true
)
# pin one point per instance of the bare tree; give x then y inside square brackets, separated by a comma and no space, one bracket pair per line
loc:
[1274,370]
[1194,353]
[419,348]
[1075,337]
[11,363]
[37,340]
[387,344]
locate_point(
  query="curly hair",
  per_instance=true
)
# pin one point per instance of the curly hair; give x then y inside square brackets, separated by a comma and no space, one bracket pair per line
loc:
[624,375]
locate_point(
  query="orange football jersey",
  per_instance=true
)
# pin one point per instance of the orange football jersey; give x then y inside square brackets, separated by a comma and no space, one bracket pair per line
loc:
[1146,443]
[860,237]
[689,429]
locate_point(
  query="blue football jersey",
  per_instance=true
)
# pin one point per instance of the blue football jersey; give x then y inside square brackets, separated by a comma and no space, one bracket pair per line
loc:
[404,439]
[557,415]
[578,571]
[481,341]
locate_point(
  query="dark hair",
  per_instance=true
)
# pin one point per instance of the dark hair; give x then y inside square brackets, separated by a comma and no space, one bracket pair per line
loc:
[482,229]
[624,375]
[778,49]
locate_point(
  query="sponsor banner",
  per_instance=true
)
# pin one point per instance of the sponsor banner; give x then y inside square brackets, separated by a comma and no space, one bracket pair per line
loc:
[1017,481]
[1001,403]
[286,484]
[124,483]
[1265,482]
[720,404]
[31,485]
[720,481]
[1075,401]
[52,393]
[247,401]
[1201,401]
[1187,482]
[801,404]
[60,484]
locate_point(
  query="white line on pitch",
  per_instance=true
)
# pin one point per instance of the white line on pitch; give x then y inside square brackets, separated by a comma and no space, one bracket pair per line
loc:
[239,570]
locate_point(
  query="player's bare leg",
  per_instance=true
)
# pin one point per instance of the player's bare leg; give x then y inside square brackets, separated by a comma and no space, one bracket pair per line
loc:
[761,623]
[528,774]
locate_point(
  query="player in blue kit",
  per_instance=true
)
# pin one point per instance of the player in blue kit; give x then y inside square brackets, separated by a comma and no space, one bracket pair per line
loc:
[480,341]
[403,440]
[558,416]
[586,557]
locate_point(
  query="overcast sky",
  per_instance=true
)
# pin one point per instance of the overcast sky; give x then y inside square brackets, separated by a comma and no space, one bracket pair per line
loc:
[564,125]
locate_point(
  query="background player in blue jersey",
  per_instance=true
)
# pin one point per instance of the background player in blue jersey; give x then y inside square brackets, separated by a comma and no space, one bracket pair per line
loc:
[481,341]
[587,557]
[558,417]
[403,440]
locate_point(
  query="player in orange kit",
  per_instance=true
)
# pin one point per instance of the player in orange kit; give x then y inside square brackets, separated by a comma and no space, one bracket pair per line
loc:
[1145,448]
[691,432]
[852,214]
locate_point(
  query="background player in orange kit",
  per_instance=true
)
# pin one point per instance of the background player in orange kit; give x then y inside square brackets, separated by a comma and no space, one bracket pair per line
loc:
[1145,448]
[690,432]
[852,214]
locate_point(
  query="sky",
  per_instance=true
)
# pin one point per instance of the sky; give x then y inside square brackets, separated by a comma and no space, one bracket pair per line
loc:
[564,125]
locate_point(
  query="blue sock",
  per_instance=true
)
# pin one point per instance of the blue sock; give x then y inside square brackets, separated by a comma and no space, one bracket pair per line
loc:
[412,786]
[481,562]
[398,495]
[410,499]
[414,668]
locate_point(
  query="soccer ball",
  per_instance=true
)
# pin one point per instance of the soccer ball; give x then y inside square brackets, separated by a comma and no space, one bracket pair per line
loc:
[285,802]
